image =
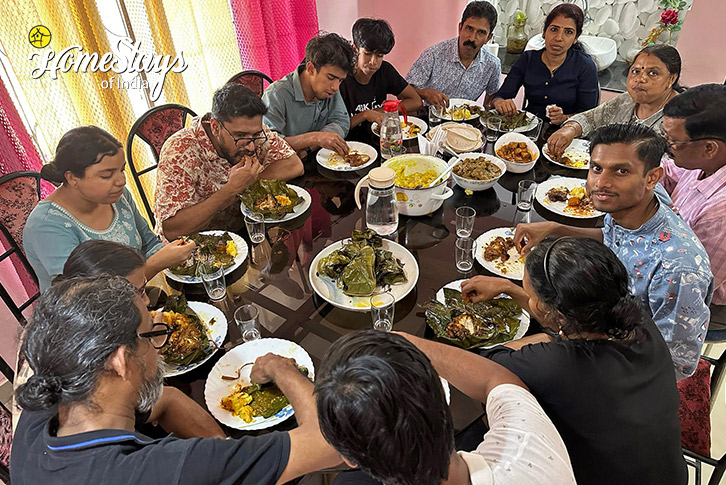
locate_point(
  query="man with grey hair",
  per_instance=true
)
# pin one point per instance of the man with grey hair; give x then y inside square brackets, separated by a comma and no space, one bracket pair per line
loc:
[92,346]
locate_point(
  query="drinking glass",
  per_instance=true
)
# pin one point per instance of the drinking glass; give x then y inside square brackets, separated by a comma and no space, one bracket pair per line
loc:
[434,116]
[465,221]
[382,307]
[525,194]
[255,223]
[534,133]
[212,277]
[494,126]
[465,254]
[246,318]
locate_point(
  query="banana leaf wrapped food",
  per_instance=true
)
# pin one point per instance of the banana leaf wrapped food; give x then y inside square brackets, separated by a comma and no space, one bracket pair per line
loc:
[361,265]
[211,250]
[271,198]
[508,122]
[189,342]
[470,325]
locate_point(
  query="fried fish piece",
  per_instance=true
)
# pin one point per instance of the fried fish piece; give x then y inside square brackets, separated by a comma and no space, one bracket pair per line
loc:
[558,194]
[498,249]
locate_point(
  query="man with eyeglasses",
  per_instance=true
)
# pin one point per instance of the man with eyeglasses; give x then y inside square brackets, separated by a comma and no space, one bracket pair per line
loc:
[79,407]
[694,126]
[202,168]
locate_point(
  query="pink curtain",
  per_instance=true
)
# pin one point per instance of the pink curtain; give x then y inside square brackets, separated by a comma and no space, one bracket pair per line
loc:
[271,34]
[17,151]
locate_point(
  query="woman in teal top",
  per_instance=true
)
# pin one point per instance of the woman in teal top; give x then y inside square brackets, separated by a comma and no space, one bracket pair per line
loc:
[90,203]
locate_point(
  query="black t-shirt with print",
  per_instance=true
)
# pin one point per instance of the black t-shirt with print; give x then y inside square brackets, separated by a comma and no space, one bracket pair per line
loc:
[361,97]
[122,457]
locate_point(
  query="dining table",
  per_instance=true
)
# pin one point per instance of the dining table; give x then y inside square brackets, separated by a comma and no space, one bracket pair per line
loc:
[275,275]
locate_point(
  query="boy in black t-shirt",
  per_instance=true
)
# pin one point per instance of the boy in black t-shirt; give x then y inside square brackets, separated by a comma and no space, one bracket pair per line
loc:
[374,79]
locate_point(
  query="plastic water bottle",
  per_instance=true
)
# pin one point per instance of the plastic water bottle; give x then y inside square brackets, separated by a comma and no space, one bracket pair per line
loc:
[390,132]
[381,208]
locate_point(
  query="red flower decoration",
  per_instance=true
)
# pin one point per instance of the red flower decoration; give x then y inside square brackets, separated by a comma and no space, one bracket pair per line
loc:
[669,17]
[664,236]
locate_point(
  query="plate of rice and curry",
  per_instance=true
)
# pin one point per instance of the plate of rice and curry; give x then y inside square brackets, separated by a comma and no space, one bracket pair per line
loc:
[360,156]
[495,251]
[235,401]
[218,248]
[275,200]
[567,197]
[576,155]
[198,330]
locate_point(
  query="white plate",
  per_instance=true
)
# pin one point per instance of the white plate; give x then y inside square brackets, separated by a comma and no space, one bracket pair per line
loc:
[297,210]
[523,318]
[216,332]
[242,251]
[458,102]
[513,268]
[558,207]
[216,388]
[531,117]
[578,146]
[327,289]
[411,119]
[324,154]
[457,126]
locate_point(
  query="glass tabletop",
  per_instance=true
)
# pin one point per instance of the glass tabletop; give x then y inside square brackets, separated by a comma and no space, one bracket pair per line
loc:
[275,278]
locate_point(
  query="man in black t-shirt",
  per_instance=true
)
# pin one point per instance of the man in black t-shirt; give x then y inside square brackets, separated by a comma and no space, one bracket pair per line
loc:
[374,79]
[92,346]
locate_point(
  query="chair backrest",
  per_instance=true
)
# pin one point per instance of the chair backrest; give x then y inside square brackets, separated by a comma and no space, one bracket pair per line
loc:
[255,80]
[154,127]
[19,194]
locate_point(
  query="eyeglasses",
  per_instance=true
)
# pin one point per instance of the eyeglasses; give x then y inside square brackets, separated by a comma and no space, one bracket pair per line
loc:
[158,335]
[672,143]
[245,140]
[142,290]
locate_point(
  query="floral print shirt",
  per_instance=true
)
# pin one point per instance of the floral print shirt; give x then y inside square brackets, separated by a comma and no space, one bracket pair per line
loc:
[190,171]
[669,270]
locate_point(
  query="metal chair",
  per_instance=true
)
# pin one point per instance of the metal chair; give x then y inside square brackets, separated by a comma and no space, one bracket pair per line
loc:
[694,459]
[154,127]
[255,80]
[19,194]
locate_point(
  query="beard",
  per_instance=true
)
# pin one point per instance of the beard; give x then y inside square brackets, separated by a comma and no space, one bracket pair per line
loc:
[151,388]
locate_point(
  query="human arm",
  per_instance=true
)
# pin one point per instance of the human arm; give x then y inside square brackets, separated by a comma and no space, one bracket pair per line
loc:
[526,236]
[308,449]
[558,141]
[338,120]
[710,230]
[369,115]
[410,99]
[284,169]
[195,217]
[472,374]
[419,76]
[315,139]
[503,99]
[150,242]
[177,413]
[678,301]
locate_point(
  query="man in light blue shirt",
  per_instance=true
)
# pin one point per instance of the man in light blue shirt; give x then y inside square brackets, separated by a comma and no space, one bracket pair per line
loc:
[668,268]
[459,67]
[305,106]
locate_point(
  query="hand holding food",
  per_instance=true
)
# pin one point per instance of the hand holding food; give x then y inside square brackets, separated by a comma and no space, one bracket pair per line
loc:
[217,250]
[482,288]
[243,174]
[267,366]
[175,253]
[526,236]
[332,141]
[434,97]
[556,115]
[374,116]
[561,139]
[505,107]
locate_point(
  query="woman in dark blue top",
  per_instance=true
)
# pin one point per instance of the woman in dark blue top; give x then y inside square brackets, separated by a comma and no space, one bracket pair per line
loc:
[561,74]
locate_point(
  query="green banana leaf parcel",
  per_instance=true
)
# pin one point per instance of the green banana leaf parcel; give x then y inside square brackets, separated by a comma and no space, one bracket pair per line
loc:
[270,198]
[189,342]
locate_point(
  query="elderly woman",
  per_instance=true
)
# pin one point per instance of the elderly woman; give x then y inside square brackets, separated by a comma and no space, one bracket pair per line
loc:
[561,74]
[92,202]
[606,380]
[652,82]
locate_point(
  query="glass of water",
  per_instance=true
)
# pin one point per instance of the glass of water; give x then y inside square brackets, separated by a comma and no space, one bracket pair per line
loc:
[382,307]
[255,223]
[534,133]
[212,277]
[525,194]
[247,319]
[494,126]
[465,221]
[465,247]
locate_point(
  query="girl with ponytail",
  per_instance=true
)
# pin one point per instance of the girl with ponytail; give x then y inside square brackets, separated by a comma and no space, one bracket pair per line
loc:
[601,369]
[91,202]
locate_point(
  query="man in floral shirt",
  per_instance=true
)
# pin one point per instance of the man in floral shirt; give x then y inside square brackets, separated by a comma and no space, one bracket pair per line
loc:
[203,167]
[668,268]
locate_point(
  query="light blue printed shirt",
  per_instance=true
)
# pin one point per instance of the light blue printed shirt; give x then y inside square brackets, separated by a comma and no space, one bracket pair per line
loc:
[439,67]
[52,233]
[289,114]
[669,270]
